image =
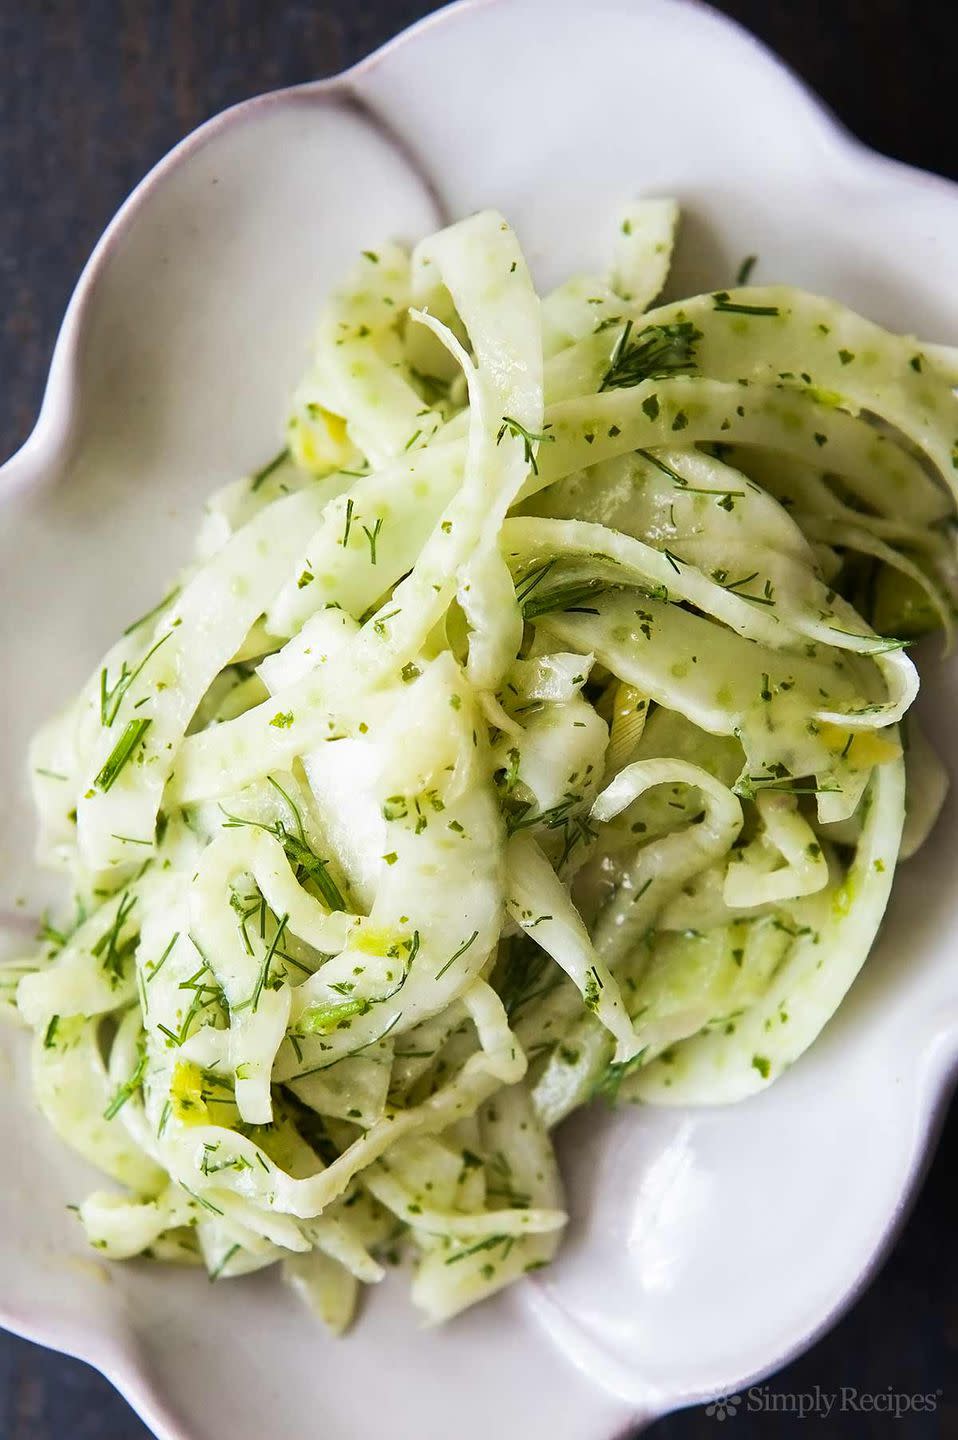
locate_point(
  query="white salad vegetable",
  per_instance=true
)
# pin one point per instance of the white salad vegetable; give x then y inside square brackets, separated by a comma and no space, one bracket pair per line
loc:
[534,727]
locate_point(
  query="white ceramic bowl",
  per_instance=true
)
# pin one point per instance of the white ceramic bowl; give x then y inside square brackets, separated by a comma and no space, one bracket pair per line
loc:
[706,1247]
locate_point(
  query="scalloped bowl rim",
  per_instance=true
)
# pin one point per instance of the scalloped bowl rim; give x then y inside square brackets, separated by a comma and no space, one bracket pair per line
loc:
[47,448]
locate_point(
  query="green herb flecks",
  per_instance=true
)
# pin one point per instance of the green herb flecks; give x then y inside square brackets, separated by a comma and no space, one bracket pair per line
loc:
[151,614]
[372,536]
[655,353]
[461,951]
[357,1050]
[574,827]
[221,1265]
[745,269]
[110,950]
[568,597]
[201,1200]
[122,752]
[492,1242]
[349,522]
[50,935]
[529,582]
[726,306]
[530,440]
[881,647]
[156,967]
[724,497]
[262,978]
[268,469]
[111,696]
[307,865]
[206,993]
[129,1087]
[610,1081]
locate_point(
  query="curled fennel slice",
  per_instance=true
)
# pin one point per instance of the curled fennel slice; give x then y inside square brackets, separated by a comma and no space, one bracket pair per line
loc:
[532,728]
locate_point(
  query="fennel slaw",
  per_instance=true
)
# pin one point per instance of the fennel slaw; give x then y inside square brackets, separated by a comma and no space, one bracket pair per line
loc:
[534,727]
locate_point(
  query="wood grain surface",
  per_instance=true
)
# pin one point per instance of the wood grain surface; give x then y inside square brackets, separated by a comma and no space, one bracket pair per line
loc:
[92,93]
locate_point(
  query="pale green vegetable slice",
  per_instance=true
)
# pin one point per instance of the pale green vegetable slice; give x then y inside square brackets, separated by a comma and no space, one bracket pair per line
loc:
[839,930]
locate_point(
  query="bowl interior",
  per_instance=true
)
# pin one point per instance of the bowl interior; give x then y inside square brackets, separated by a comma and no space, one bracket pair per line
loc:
[704,1245]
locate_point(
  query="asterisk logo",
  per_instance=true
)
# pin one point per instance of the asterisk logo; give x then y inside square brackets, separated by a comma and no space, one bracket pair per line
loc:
[724,1407]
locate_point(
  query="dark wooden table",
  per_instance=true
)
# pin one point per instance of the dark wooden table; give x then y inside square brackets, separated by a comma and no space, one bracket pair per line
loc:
[92,92]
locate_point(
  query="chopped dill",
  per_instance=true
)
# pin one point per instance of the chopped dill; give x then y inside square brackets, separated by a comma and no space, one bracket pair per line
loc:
[122,753]
[268,468]
[726,306]
[530,439]
[655,353]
